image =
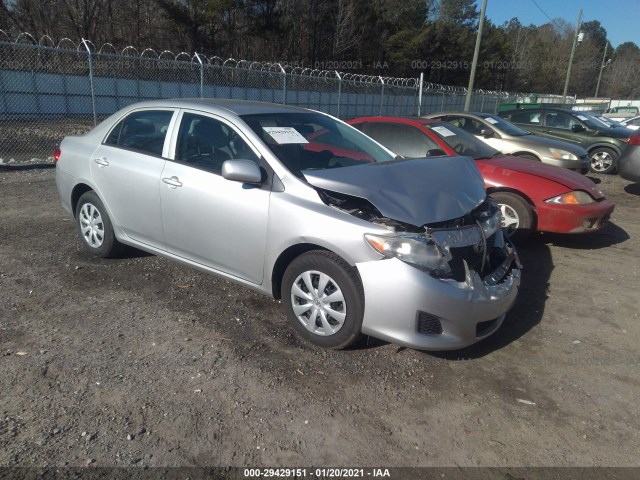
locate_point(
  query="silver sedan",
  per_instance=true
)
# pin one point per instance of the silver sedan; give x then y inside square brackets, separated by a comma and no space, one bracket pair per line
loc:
[300,206]
[510,139]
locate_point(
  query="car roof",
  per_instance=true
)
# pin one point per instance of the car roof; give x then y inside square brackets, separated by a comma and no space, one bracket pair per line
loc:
[407,120]
[238,107]
[471,114]
[546,109]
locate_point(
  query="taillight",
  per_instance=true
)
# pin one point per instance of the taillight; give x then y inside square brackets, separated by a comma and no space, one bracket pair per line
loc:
[56,155]
[634,139]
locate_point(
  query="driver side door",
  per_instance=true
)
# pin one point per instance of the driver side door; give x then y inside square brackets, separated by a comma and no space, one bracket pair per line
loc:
[207,219]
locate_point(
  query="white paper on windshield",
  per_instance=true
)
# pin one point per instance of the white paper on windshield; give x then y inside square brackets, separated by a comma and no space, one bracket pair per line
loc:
[491,120]
[444,131]
[285,135]
[582,117]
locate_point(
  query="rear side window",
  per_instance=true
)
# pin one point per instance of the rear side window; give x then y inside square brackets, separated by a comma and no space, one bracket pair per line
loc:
[142,131]
[532,118]
[559,120]
[401,139]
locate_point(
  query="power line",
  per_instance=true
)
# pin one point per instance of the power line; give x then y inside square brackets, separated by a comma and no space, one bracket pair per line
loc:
[551,19]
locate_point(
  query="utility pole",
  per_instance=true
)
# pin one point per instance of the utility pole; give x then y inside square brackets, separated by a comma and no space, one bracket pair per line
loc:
[476,53]
[573,50]
[602,65]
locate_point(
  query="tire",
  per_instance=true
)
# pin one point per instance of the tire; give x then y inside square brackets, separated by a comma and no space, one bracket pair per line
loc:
[337,324]
[528,156]
[95,228]
[517,215]
[603,160]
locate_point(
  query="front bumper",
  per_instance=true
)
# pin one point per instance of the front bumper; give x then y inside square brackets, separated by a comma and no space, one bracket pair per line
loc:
[580,165]
[397,296]
[574,218]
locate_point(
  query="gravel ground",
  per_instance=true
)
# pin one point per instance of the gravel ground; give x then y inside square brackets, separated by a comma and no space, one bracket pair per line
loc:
[139,361]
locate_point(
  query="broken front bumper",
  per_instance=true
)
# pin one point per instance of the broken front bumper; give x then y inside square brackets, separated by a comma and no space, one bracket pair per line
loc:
[406,306]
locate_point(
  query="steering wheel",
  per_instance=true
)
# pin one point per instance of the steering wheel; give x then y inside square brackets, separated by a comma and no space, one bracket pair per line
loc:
[459,148]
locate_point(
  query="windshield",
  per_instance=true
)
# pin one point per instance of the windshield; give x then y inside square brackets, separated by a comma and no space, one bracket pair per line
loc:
[609,122]
[505,125]
[312,141]
[463,142]
[590,120]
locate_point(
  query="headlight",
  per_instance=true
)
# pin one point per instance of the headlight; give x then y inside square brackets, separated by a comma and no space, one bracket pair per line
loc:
[562,154]
[577,197]
[414,249]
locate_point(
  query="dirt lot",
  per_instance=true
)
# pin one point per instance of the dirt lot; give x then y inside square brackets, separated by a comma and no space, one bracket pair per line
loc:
[138,361]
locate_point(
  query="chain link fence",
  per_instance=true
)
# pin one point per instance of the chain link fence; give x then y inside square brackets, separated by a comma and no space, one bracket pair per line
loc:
[49,90]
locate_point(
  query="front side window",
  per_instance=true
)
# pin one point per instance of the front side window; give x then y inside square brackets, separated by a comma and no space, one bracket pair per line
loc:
[142,131]
[206,143]
[401,139]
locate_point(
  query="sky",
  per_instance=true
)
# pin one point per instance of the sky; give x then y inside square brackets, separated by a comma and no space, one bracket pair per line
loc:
[618,17]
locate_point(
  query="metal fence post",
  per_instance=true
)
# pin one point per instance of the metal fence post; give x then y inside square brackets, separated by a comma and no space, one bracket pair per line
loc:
[482,104]
[420,93]
[339,92]
[381,95]
[93,96]
[201,75]
[284,84]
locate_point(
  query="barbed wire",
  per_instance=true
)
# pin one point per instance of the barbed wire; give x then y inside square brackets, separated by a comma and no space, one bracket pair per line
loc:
[274,68]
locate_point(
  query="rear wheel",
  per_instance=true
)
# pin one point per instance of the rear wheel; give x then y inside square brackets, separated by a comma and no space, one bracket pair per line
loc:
[95,228]
[324,299]
[517,215]
[603,160]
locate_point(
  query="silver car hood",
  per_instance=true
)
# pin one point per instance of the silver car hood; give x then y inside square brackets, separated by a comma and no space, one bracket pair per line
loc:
[536,141]
[417,191]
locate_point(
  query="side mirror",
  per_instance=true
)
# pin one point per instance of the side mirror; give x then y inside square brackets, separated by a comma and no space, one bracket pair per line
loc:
[244,171]
[435,152]
[487,132]
[577,128]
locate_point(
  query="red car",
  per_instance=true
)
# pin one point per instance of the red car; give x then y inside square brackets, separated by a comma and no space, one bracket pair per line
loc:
[532,196]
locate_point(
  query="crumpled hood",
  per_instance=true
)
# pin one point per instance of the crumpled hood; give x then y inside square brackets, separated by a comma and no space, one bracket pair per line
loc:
[415,191]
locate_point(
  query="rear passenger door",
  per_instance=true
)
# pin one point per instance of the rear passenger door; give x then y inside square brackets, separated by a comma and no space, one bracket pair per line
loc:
[126,171]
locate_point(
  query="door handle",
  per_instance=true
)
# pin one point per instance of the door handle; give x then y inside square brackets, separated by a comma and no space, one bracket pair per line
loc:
[548,131]
[102,161]
[173,182]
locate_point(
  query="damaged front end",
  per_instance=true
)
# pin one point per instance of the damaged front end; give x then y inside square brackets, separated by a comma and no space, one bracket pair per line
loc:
[468,250]
[451,282]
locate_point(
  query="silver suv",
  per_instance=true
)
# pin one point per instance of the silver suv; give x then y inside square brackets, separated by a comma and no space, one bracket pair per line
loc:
[300,206]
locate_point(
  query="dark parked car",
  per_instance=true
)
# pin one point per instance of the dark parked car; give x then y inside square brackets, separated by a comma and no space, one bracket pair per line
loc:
[604,144]
[629,161]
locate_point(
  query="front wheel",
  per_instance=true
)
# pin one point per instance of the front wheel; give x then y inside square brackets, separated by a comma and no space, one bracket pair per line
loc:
[517,215]
[603,160]
[94,226]
[324,299]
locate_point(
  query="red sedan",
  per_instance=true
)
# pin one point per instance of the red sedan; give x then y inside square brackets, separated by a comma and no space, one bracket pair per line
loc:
[532,196]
